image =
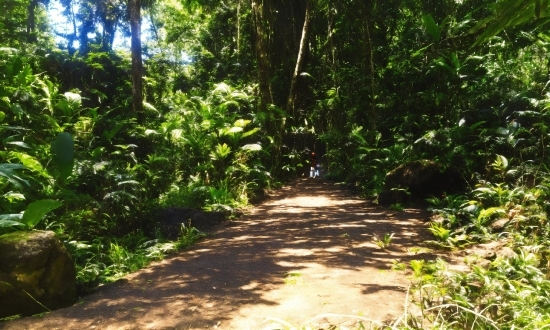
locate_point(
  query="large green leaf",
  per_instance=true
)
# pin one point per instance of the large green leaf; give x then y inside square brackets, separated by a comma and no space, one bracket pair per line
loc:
[509,13]
[8,171]
[8,226]
[113,131]
[30,163]
[431,27]
[37,210]
[251,132]
[63,153]
[69,103]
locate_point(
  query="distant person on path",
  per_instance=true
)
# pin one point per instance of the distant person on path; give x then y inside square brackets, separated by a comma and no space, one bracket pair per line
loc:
[313,172]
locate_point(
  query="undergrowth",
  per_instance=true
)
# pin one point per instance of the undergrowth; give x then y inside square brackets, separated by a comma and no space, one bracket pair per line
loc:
[106,260]
[510,291]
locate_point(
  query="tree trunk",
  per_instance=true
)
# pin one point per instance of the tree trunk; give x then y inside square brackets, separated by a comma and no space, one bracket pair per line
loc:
[239,30]
[72,37]
[31,20]
[134,8]
[109,31]
[299,61]
[367,40]
[261,55]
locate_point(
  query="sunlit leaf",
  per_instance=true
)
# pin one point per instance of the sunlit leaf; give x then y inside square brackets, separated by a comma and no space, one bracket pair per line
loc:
[149,106]
[235,129]
[251,132]
[509,13]
[37,210]
[150,131]
[241,122]
[7,225]
[19,144]
[30,163]
[8,171]
[252,147]
[128,182]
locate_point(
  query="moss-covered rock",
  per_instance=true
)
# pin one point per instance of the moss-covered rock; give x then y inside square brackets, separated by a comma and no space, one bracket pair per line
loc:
[35,270]
[417,180]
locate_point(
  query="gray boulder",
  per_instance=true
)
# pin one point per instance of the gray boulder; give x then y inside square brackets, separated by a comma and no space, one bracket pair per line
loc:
[417,180]
[35,270]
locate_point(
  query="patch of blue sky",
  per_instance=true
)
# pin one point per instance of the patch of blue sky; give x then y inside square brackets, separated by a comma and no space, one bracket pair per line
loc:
[63,26]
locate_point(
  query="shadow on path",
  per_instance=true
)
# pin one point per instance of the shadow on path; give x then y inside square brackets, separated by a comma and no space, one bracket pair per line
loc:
[309,250]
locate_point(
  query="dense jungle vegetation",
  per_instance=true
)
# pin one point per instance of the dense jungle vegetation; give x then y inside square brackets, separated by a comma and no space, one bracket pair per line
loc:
[211,102]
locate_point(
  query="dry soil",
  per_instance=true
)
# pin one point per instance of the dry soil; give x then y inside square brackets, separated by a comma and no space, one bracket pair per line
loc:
[306,256]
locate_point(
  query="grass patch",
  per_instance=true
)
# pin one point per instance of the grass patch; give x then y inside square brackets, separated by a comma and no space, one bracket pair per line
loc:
[107,260]
[293,278]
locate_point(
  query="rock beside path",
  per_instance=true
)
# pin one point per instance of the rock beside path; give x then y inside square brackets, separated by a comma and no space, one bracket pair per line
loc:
[35,270]
[417,180]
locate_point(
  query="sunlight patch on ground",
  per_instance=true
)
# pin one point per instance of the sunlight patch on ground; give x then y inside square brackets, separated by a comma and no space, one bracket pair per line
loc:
[203,250]
[312,201]
[340,226]
[285,264]
[295,252]
[293,303]
[345,225]
[334,249]
[249,238]
[250,286]
[364,245]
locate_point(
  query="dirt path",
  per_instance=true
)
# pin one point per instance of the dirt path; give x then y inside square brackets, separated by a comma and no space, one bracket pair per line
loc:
[306,252]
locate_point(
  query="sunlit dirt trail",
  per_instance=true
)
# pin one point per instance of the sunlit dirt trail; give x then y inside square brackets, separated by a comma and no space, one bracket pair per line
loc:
[300,257]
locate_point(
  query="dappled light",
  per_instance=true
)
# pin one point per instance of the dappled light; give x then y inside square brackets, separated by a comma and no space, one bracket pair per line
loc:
[315,258]
[273,164]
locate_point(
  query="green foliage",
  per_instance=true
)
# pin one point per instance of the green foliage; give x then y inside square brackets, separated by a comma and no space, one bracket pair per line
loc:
[512,293]
[63,154]
[439,231]
[397,207]
[431,27]
[32,215]
[8,171]
[188,236]
[385,83]
[37,210]
[385,241]
[508,14]
[109,260]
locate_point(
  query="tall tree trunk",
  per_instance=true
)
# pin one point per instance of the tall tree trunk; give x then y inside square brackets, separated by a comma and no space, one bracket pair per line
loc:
[239,30]
[72,37]
[367,40]
[299,61]
[87,17]
[134,8]
[261,55]
[330,37]
[109,31]
[31,20]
